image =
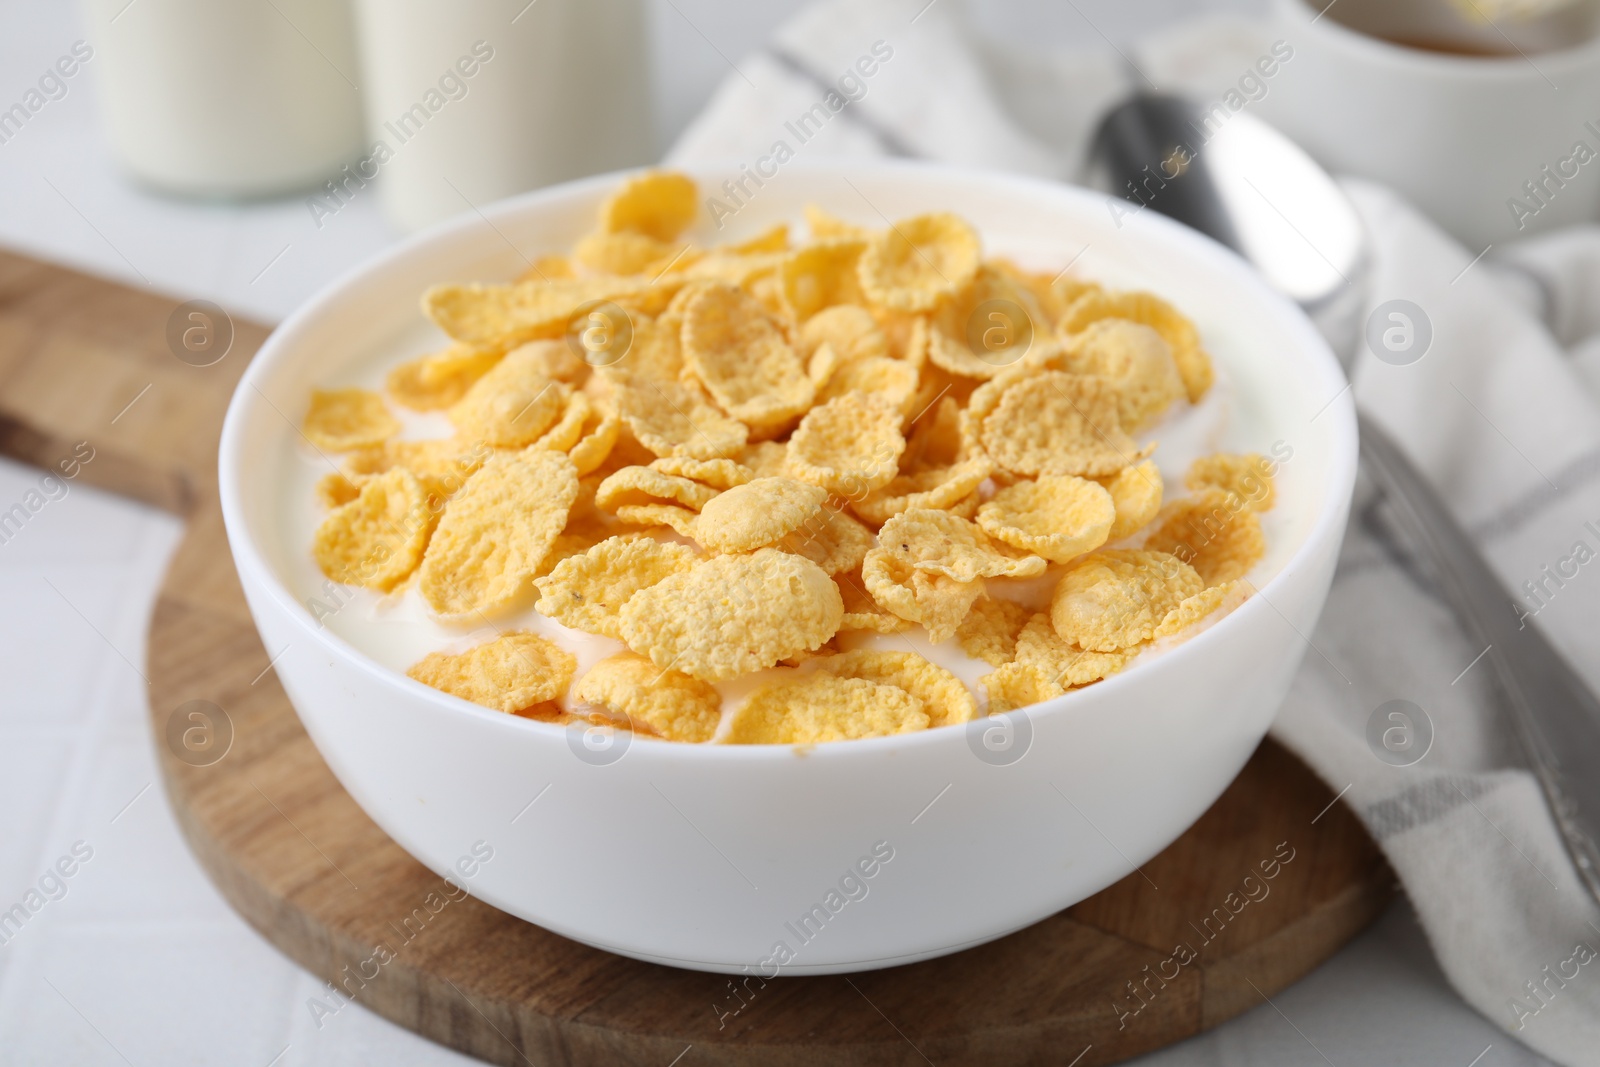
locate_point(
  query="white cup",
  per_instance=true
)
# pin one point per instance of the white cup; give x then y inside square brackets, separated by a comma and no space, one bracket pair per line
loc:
[1487,145]
[470,101]
[231,99]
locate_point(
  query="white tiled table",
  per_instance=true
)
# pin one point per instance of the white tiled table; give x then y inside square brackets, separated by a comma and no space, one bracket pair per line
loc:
[141,962]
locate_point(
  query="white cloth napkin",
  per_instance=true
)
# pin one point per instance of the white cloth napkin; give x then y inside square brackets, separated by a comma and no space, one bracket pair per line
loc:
[1501,413]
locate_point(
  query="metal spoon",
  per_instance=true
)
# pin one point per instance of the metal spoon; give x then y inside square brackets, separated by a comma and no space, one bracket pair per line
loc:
[1240,181]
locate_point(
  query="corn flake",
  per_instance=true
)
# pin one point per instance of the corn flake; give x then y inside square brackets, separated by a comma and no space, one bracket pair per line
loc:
[669,704]
[815,707]
[343,419]
[659,204]
[757,513]
[376,539]
[1136,493]
[1148,310]
[1058,517]
[513,672]
[990,632]
[673,420]
[495,533]
[1057,423]
[938,488]
[587,592]
[941,543]
[850,445]
[644,485]
[436,381]
[915,263]
[1248,475]
[1214,532]
[1115,598]
[943,697]
[744,361]
[1136,360]
[731,615]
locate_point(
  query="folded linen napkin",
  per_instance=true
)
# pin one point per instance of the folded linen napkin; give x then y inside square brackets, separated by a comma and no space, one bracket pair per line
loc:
[1502,414]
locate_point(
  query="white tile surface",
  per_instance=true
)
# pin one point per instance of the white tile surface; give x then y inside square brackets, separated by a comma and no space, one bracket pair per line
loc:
[142,962]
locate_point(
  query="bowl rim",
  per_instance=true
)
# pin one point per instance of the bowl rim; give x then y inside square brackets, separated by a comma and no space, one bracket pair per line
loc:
[255,570]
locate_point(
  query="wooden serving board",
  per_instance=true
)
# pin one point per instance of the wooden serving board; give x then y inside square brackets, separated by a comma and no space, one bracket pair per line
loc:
[289,848]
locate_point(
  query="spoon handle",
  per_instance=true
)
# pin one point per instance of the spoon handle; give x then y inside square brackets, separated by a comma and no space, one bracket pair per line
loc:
[1554,711]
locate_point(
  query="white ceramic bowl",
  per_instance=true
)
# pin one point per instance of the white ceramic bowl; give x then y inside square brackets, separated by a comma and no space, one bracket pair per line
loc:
[709,856]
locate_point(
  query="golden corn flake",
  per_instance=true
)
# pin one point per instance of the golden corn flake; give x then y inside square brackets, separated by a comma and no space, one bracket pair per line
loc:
[600,435]
[679,520]
[1058,517]
[717,473]
[937,601]
[547,268]
[342,419]
[1214,532]
[849,329]
[892,380]
[569,427]
[1249,475]
[966,507]
[830,539]
[489,316]
[850,445]
[376,539]
[436,381]
[916,262]
[989,326]
[774,238]
[667,703]
[937,488]
[1194,610]
[861,611]
[934,439]
[757,513]
[990,632]
[624,253]
[511,673]
[1136,492]
[512,405]
[659,204]
[671,419]
[1115,598]
[825,226]
[586,592]
[496,531]
[1148,310]
[644,485]
[336,488]
[1061,664]
[1016,685]
[731,615]
[941,543]
[744,361]
[765,459]
[943,697]
[820,276]
[1138,363]
[655,351]
[1057,423]
[815,707]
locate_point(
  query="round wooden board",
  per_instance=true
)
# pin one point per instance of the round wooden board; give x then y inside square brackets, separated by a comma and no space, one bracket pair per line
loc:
[302,863]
